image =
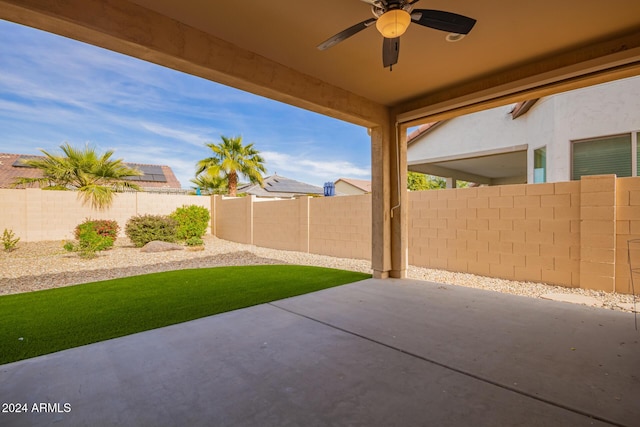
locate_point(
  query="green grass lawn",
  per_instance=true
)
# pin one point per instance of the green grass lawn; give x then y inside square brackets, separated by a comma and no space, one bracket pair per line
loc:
[42,322]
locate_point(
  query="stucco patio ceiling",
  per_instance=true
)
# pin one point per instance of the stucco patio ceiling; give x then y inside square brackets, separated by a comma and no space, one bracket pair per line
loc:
[509,35]
[507,167]
[514,48]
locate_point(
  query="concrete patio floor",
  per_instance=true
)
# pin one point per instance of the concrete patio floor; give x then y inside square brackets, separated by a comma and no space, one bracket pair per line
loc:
[372,353]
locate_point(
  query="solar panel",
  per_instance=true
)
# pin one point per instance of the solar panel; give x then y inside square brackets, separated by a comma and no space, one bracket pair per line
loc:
[149,169]
[18,163]
[151,173]
[285,185]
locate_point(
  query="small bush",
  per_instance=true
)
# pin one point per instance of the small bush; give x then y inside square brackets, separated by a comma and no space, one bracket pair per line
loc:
[143,229]
[194,241]
[89,242]
[9,240]
[104,228]
[192,222]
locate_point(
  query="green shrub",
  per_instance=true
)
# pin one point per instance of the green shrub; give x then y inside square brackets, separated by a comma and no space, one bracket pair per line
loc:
[194,241]
[9,240]
[104,228]
[142,229]
[89,241]
[192,222]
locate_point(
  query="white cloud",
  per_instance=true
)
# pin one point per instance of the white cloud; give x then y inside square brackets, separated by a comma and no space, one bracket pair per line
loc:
[193,138]
[316,170]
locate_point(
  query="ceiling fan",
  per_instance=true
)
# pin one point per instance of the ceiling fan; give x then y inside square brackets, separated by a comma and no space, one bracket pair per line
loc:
[392,18]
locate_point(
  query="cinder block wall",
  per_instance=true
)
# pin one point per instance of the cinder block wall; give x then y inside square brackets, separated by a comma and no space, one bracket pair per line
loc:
[627,228]
[518,232]
[333,226]
[570,233]
[276,224]
[598,232]
[37,215]
[13,212]
[234,218]
[341,226]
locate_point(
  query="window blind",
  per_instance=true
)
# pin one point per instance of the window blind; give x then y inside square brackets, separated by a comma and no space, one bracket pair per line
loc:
[602,156]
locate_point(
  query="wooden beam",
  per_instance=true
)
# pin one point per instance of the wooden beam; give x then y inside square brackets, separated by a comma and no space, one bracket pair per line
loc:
[596,63]
[128,28]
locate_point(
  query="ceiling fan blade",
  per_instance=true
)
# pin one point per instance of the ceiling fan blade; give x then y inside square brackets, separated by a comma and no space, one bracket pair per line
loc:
[343,35]
[443,21]
[390,51]
[378,3]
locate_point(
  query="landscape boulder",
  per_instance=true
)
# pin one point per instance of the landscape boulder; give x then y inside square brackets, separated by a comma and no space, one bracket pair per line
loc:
[158,246]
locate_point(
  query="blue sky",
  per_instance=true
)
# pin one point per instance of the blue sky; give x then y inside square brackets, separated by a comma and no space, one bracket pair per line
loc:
[55,90]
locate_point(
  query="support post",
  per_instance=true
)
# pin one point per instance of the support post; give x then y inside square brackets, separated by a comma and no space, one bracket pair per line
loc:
[451,182]
[389,238]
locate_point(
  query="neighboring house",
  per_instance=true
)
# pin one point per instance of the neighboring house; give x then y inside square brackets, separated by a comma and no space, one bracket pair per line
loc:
[590,131]
[156,178]
[350,187]
[281,187]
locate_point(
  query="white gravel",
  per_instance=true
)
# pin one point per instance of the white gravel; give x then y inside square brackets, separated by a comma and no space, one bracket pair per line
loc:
[43,265]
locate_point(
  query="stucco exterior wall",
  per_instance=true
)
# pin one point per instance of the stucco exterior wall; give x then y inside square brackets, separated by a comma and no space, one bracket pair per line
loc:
[608,109]
[347,189]
[486,130]
[597,111]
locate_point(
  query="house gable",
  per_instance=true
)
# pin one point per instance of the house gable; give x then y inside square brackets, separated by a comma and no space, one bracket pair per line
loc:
[352,186]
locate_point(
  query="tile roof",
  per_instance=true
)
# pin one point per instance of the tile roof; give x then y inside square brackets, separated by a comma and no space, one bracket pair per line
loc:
[362,184]
[422,130]
[280,186]
[155,176]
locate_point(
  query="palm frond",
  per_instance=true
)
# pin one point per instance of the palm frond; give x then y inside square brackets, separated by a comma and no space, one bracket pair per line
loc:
[230,159]
[26,182]
[96,176]
[98,196]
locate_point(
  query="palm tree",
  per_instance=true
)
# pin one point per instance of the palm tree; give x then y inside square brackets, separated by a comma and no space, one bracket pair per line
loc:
[210,184]
[230,159]
[95,176]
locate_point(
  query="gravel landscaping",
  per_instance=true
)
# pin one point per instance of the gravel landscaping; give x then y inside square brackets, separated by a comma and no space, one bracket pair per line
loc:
[43,265]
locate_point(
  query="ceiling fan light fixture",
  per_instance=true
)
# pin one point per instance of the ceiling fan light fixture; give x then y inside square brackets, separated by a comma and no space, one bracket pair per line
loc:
[454,37]
[393,23]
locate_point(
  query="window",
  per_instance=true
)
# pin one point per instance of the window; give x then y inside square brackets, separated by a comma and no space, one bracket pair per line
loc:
[540,165]
[610,155]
